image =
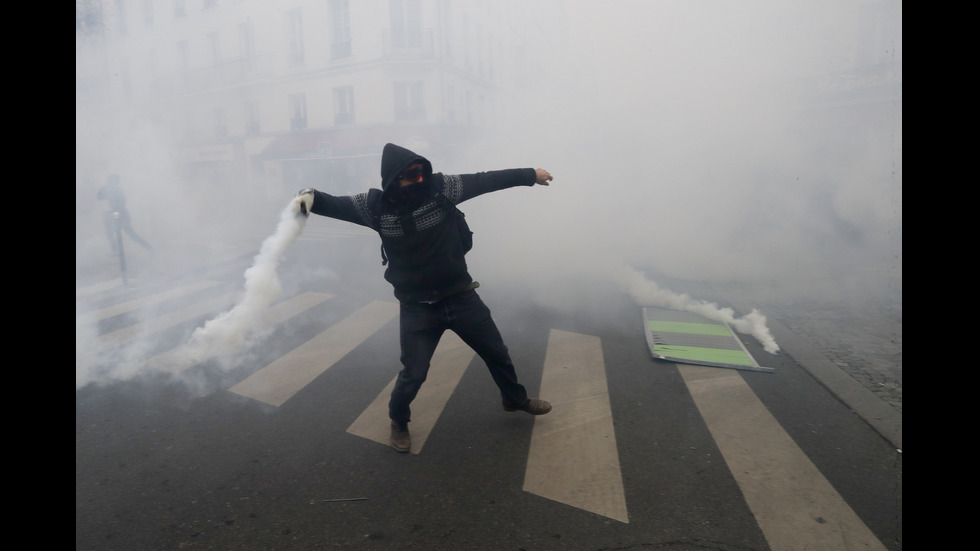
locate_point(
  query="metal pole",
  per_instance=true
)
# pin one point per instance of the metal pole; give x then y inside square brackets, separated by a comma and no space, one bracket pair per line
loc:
[119,245]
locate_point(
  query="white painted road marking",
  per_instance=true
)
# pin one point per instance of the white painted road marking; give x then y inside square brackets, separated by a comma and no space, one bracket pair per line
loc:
[277,382]
[573,457]
[177,360]
[98,287]
[165,321]
[449,362]
[795,506]
[96,347]
[130,305]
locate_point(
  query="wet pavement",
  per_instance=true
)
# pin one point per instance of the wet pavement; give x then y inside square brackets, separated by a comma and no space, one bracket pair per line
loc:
[851,344]
[224,473]
[862,338]
[850,341]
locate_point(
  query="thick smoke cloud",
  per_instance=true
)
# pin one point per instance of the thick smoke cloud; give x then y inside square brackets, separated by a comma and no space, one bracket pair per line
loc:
[685,139]
[688,141]
[230,331]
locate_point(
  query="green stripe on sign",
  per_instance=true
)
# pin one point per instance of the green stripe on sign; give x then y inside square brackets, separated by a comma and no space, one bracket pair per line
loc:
[700,354]
[688,327]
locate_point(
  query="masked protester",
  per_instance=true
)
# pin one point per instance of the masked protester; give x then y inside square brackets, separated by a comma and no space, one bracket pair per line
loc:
[424,239]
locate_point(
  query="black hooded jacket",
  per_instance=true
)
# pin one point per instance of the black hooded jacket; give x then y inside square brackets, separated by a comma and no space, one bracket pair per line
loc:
[419,235]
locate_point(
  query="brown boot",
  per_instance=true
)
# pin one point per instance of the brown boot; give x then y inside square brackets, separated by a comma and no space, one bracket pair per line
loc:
[401,440]
[532,406]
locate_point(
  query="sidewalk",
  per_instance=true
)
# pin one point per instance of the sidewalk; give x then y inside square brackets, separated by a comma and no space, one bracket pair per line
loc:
[855,350]
[865,343]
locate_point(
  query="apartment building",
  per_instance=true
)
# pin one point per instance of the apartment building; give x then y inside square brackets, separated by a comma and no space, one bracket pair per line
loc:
[274,93]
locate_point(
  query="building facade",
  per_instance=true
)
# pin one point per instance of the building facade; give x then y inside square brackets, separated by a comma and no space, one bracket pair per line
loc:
[296,93]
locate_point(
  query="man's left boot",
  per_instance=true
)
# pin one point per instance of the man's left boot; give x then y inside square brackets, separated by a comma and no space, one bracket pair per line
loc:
[401,440]
[533,406]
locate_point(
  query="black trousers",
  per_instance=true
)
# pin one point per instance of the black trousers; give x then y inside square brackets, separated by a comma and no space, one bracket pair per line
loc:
[421,327]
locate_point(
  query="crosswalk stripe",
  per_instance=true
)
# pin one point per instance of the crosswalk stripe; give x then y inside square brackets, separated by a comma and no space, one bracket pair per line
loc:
[89,352]
[573,457]
[277,382]
[98,287]
[178,360]
[165,321]
[448,364]
[795,506]
[130,305]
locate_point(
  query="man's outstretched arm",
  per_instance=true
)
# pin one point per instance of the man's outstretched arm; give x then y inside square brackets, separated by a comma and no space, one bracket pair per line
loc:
[473,185]
[312,201]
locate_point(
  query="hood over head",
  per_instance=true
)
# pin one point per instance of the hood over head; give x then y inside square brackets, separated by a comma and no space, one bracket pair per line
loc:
[394,160]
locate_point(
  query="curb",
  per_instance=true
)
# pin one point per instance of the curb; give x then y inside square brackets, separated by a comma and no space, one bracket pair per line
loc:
[882,417]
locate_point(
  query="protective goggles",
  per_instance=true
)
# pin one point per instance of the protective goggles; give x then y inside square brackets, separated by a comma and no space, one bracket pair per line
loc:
[413,173]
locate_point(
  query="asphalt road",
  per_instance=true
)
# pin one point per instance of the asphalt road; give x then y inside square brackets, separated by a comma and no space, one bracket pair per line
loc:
[706,458]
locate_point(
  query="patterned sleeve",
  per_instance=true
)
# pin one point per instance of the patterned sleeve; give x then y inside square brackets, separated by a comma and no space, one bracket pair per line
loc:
[459,188]
[349,208]
[453,188]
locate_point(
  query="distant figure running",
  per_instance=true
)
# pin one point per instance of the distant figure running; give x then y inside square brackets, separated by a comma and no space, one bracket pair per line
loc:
[117,218]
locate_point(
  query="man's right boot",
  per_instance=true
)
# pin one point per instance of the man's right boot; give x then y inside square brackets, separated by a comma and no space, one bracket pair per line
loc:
[400,439]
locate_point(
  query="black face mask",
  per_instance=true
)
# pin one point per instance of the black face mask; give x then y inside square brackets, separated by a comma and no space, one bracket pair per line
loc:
[412,193]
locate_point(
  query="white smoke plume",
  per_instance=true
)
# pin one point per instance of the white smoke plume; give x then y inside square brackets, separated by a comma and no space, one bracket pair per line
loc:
[240,327]
[648,293]
[225,337]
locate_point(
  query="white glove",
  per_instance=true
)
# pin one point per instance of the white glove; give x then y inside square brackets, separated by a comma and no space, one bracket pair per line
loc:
[303,202]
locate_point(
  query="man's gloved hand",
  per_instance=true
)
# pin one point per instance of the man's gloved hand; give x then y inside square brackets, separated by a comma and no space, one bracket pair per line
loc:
[303,202]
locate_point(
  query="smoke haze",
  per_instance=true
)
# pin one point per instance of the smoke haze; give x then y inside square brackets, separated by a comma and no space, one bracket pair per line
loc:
[683,140]
[229,332]
[689,141]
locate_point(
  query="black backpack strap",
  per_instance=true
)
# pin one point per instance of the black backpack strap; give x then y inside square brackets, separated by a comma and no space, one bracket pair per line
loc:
[464,229]
[445,203]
